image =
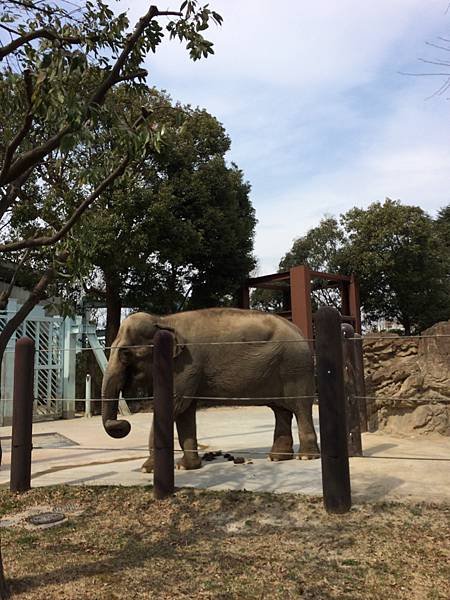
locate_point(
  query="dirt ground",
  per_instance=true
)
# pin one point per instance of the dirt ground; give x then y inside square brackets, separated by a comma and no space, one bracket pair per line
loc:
[412,468]
[120,543]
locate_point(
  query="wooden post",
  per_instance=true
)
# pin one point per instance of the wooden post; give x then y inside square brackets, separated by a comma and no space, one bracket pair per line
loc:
[163,415]
[332,420]
[359,381]
[22,421]
[301,300]
[353,297]
[351,402]
[88,396]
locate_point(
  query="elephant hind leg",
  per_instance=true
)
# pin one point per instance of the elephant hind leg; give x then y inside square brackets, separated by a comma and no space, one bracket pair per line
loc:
[306,432]
[283,444]
[187,436]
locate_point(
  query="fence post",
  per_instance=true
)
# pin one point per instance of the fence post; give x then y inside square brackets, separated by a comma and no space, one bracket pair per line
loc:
[351,402]
[163,417]
[333,433]
[88,395]
[22,420]
[359,382]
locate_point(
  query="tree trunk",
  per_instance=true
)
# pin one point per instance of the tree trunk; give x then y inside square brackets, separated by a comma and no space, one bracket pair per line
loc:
[113,307]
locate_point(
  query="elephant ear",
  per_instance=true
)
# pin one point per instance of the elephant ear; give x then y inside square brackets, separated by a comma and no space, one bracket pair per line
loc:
[178,341]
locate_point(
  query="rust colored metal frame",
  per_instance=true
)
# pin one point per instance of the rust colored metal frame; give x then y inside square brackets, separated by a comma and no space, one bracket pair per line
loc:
[296,287]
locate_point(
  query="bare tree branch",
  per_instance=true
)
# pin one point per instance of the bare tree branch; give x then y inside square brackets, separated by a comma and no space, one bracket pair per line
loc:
[439,63]
[437,46]
[48,241]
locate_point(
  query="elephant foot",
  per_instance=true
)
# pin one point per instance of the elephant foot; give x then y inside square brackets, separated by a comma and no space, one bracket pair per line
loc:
[148,466]
[310,452]
[193,462]
[282,449]
[275,457]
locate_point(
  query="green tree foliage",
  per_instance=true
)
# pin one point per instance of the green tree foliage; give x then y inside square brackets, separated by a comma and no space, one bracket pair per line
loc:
[396,254]
[59,62]
[319,250]
[176,233]
[399,254]
[443,235]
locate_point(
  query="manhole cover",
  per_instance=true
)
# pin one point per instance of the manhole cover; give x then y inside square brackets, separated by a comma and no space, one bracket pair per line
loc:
[46,518]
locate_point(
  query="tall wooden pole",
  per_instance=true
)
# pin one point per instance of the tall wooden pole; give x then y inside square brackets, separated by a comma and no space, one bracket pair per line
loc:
[22,420]
[163,417]
[332,418]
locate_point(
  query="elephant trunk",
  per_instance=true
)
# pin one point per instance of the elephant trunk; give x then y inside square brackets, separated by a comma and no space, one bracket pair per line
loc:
[113,381]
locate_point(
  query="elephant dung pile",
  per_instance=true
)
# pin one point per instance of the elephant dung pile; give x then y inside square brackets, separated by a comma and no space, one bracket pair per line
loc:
[410,379]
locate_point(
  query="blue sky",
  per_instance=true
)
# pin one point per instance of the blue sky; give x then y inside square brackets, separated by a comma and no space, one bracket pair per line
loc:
[320,117]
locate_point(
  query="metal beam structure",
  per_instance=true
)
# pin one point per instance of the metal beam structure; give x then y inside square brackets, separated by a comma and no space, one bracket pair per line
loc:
[297,285]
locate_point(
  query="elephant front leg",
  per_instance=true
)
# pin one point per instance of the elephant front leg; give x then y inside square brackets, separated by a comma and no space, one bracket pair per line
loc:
[187,436]
[283,444]
[149,464]
[306,432]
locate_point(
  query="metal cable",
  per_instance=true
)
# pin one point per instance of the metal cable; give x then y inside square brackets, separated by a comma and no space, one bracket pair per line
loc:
[244,399]
[404,399]
[315,455]
[237,452]
[226,343]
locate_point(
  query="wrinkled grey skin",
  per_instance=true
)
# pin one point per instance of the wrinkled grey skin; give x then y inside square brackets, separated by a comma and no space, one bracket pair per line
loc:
[256,371]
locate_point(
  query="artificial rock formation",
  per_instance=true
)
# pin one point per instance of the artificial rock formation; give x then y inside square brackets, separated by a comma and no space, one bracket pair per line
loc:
[409,380]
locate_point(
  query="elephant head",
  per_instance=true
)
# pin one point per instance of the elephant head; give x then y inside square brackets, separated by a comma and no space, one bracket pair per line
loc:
[130,361]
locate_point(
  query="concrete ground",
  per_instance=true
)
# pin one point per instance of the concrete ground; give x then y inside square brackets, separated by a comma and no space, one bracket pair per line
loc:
[392,468]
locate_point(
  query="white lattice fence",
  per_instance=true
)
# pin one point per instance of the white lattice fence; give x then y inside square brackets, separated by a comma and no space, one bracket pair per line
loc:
[48,335]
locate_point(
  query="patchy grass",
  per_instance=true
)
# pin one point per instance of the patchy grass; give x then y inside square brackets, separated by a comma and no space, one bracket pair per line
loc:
[227,545]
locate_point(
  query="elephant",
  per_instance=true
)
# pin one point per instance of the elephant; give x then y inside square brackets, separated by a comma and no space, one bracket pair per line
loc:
[279,365]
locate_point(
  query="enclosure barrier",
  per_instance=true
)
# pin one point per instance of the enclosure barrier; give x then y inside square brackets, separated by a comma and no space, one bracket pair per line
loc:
[352,404]
[351,387]
[22,422]
[332,419]
[163,474]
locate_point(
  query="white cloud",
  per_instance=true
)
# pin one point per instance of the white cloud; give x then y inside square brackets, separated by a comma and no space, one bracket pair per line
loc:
[320,119]
[405,156]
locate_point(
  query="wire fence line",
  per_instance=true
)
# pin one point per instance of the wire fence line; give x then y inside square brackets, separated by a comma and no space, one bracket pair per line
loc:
[179,345]
[237,342]
[316,455]
[424,400]
[434,399]
[235,451]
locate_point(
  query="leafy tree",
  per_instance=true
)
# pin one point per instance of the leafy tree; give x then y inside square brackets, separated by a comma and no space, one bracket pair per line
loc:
[175,233]
[396,254]
[443,236]
[57,70]
[57,67]
[319,250]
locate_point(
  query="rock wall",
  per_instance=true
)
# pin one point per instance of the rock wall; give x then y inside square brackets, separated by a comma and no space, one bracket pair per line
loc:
[408,380]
